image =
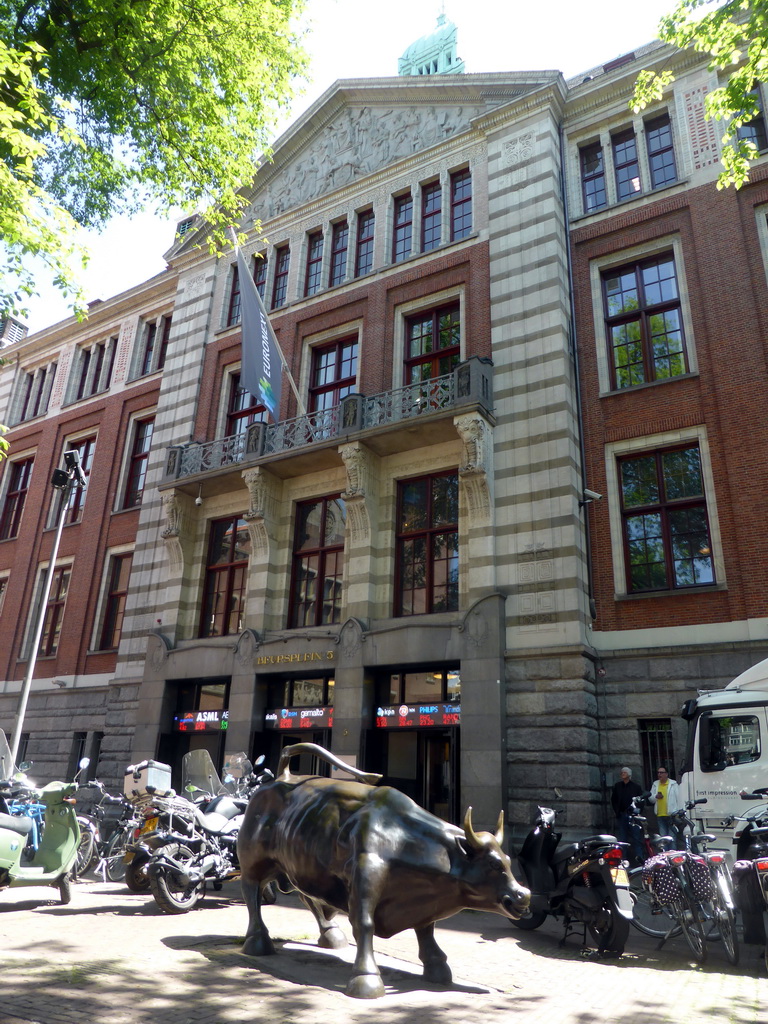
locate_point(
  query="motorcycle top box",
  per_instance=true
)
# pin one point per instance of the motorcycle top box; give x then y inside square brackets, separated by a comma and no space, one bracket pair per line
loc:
[146,773]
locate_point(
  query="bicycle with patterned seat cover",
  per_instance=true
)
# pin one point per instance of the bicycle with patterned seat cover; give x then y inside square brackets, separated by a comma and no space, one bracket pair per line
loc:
[686,890]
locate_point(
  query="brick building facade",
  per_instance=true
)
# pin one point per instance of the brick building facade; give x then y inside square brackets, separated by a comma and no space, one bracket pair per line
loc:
[499,295]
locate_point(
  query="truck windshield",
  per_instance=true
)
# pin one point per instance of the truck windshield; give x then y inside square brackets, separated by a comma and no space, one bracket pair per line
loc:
[728,740]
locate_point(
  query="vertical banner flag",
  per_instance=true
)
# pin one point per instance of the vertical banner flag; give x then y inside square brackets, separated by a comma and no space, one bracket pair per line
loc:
[261,370]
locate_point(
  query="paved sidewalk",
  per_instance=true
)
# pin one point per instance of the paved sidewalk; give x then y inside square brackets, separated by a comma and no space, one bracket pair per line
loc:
[111,957]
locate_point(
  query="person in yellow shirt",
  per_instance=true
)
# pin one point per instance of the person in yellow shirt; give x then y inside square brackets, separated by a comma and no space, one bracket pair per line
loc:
[665,797]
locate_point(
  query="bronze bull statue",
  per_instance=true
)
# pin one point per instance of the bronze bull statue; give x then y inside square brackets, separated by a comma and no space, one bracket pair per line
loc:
[373,854]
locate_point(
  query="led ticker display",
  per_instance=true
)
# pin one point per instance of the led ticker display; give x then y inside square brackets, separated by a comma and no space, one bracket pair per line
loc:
[201,721]
[299,718]
[417,716]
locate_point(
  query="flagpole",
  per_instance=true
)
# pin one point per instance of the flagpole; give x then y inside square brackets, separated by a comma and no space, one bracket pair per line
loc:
[284,364]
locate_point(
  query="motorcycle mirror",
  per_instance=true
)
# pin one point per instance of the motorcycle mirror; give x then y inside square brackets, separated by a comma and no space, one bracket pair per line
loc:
[84,762]
[259,761]
[25,766]
[557,792]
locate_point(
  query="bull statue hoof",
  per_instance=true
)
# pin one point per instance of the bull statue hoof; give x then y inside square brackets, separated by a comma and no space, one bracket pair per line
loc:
[365,986]
[438,973]
[258,946]
[332,938]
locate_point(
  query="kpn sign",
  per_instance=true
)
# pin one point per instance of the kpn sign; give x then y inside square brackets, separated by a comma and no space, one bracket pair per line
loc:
[201,721]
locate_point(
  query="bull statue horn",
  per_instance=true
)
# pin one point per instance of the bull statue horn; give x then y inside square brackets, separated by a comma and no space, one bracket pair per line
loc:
[499,833]
[472,837]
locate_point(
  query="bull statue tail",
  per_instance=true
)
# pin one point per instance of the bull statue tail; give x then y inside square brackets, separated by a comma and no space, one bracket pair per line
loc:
[283,771]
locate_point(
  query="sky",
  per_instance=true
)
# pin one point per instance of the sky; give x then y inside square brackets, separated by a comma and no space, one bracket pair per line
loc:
[355,39]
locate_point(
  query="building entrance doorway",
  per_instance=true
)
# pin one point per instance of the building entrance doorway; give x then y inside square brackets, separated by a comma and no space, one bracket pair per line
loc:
[424,764]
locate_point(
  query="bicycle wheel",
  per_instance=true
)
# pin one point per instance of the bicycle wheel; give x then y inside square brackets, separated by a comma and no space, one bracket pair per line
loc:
[658,922]
[87,850]
[725,914]
[689,916]
[114,855]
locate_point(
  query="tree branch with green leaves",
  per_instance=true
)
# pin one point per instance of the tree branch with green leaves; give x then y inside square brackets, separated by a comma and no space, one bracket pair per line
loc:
[735,36]
[110,106]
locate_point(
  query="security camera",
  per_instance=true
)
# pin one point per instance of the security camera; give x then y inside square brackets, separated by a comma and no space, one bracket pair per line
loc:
[592,495]
[198,501]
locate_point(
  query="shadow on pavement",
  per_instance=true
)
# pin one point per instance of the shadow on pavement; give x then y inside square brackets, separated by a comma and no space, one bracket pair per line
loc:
[310,965]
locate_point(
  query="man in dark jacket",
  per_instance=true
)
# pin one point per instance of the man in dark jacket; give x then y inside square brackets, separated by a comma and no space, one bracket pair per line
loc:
[621,798]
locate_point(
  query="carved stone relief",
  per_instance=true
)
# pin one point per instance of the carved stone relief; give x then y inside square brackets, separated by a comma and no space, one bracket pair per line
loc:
[174,522]
[356,459]
[247,646]
[357,143]
[475,436]
[259,516]
[538,596]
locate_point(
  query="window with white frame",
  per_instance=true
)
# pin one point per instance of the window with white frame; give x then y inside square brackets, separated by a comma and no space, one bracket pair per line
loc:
[3,590]
[16,482]
[92,368]
[33,394]
[53,613]
[153,345]
[627,162]
[137,450]
[85,447]
[754,131]
[641,308]
[115,593]
[665,533]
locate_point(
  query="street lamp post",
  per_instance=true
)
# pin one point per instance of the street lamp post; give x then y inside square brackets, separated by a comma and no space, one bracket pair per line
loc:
[64,481]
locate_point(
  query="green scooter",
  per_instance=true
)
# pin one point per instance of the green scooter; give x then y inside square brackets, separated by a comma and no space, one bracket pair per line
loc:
[54,859]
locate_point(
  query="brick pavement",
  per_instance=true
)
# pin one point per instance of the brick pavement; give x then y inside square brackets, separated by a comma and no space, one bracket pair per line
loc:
[112,958]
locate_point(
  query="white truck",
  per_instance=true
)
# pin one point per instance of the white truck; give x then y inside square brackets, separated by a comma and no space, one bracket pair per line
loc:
[727,750]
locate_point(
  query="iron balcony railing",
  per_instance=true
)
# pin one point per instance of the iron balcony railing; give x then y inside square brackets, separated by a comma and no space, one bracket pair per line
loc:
[470,382]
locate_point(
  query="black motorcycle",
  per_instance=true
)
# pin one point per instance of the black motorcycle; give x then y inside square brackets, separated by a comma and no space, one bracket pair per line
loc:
[582,883]
[200,848]
[750,872]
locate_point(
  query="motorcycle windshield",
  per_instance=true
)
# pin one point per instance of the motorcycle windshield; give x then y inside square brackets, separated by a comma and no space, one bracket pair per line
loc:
[6,765]
[237,767]
[197,770]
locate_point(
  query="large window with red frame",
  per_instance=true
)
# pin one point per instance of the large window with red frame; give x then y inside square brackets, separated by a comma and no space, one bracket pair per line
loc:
[661,151]
[137,464]
[242,408]
[313,279]
[402,235]
[318,562]
[664,513]
[592,177]
[226,578]
[431,216]
[461,205]
[54,611]
[626,168]
[334,371]
[85,450]
[15,497]
[233,309]
[364,247]
[280,281]
[114,608]
[432,343]
[339,242]
[427,571]
[644,322]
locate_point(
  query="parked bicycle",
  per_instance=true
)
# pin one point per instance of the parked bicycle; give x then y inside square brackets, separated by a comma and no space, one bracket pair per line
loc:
[686,891]
[106,832]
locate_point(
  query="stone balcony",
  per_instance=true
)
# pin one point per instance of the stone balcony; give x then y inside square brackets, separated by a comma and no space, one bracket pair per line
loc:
[392,421]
